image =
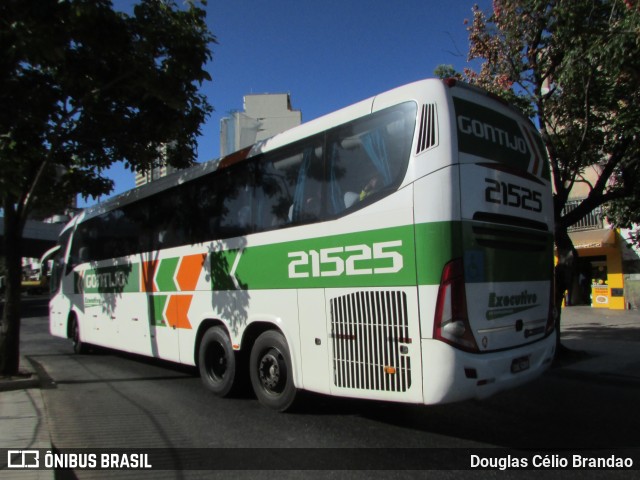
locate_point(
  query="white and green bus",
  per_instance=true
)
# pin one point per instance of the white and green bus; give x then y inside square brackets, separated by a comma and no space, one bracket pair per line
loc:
[398,249]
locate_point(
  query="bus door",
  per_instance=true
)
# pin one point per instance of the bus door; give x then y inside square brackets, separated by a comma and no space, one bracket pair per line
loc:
[165,306]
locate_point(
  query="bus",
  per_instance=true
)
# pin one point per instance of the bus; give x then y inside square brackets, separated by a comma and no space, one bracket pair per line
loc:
[399,249]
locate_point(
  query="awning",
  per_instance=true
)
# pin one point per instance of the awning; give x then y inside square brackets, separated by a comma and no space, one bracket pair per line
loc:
[593,238]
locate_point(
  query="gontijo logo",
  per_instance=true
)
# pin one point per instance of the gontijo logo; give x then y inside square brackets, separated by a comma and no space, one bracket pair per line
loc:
[107,280]
[485,132]
[491,133]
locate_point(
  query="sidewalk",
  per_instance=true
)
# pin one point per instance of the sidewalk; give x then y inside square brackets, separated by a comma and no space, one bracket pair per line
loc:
[605,344]
[605,348]
[23,420]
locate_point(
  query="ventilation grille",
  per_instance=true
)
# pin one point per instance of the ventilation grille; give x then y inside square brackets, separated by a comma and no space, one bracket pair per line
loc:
[428,135]
[370,331]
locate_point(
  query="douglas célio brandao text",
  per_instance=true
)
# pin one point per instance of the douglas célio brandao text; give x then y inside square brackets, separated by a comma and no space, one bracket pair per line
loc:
[550,461]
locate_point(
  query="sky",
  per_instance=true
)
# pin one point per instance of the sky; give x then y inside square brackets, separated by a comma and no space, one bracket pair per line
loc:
[327,54]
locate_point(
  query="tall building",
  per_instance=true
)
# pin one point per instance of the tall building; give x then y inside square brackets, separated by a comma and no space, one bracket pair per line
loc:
[264,115]
[162,170]
[153,174]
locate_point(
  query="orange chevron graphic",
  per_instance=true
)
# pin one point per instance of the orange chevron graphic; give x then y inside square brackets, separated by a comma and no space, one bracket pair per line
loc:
[147,275]
[189,271]
[177,311]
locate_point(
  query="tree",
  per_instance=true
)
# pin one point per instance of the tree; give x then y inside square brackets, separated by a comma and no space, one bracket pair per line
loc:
[574,68]
[83,86]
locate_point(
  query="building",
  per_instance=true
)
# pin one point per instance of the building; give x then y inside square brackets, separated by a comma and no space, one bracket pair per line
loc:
[264,115]
[605,275]
[153,174]
[162,170]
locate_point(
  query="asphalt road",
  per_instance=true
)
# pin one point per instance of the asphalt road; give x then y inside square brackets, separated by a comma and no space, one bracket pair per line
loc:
[112,400]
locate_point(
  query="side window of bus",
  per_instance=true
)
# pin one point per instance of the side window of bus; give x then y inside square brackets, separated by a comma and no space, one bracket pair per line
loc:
[122,232]
[113,234]
[308,195]
[135,229]
[171,217]
[290,186]
[235,189]
[84,245]
[367,158]
[58,267]
[274,193]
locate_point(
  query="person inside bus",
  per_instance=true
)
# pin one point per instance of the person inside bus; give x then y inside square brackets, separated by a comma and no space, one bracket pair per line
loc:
[372,186]
[310,210]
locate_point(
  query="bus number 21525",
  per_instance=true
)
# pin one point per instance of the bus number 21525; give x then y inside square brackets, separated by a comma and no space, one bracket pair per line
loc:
[512,195]
[379,258]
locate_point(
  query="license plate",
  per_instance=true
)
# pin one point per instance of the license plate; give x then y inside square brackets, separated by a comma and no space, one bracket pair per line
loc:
[519,364]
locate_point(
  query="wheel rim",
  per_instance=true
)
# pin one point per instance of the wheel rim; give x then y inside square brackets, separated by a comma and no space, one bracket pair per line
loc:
[216,362]
[272,372]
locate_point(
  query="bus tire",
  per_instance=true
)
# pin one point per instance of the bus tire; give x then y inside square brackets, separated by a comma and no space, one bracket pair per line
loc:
[271,371]
[217,362]
[79,346]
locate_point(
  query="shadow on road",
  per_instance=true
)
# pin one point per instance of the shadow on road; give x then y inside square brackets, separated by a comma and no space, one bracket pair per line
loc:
[552,412]
[31,306]
[594,331]
[555,411]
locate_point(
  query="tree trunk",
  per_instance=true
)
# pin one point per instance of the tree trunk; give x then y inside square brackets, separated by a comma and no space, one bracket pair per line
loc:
[10,327]
[565,268]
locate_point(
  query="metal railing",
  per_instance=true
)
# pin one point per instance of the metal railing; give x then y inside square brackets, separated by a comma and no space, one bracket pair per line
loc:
[592,221]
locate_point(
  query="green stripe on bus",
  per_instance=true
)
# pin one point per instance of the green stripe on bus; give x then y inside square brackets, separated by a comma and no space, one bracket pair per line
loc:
[376,258]
[390,257]
[436,244]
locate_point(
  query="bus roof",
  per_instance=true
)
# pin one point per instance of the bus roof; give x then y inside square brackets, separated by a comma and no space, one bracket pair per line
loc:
[294,134]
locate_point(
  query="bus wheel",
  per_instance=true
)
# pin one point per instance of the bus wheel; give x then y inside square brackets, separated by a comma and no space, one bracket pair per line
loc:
[216,360]
[271,371]
[78,345]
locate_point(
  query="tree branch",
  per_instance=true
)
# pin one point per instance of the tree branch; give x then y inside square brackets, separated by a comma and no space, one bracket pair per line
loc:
[598,196]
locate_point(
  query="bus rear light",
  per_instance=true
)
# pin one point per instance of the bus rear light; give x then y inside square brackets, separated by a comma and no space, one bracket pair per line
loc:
[451,323]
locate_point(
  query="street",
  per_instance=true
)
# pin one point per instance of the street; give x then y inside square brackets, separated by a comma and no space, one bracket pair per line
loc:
[113,400]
